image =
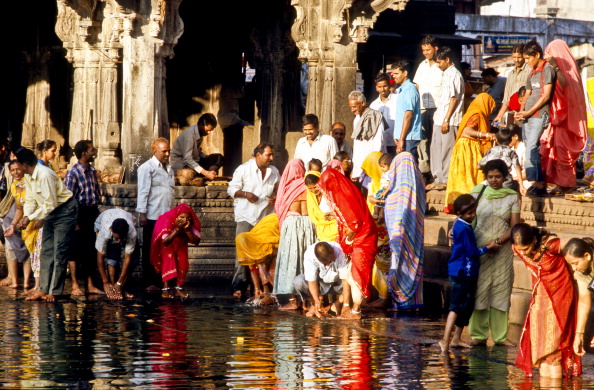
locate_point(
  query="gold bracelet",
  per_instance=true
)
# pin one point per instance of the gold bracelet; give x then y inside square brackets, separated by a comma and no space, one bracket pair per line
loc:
[578,332]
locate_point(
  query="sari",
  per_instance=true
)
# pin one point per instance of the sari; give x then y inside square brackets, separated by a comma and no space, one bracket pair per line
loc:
[336,164]
[549,329]
[464,172]
[29,234]
[257,245]
[372,169]
[296,231]
[405,212]
[351,211]
[325,230]
[562,142]
[171,261]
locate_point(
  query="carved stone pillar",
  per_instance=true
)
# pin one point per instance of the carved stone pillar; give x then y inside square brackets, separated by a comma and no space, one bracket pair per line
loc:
[326,34]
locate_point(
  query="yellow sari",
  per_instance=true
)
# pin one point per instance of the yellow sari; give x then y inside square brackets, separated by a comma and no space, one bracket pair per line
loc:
[257,245]
[29,234]
[372,169]
[325,230]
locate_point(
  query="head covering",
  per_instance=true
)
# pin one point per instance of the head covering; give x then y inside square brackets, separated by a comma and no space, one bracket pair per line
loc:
[404,213]
[335,164]
[325,230]
[482,105]
[291,185]
[371,168]
[171,261]
[565,137]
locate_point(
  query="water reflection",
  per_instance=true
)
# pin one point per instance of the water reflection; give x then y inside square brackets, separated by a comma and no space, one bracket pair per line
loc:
[212,343]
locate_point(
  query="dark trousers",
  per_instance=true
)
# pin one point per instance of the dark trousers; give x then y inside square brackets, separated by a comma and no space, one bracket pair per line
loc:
[149,275]
[56,251]
[241,276]
[86,254]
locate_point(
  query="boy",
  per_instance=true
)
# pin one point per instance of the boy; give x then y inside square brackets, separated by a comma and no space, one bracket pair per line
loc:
[315,165]
[384,163]
[503,151]
[463,267]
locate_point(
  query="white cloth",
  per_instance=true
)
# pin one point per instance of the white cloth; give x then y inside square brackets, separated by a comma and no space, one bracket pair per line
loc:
[346,147]
[362,148]
[428,78]
[314,270]
[103,228]
[388,110]
[323,148]
[45,192]
[155,189]
[452,86]
[248,177]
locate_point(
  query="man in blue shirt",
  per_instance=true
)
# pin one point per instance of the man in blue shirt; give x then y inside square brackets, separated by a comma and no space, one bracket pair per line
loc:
[407,121]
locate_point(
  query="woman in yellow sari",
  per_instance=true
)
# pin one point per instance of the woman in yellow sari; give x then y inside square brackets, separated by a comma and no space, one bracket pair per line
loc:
[472,141]
[256,249]
[318,210]
[381,267]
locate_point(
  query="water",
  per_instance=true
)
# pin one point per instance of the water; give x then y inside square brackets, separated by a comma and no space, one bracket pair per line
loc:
[210,342]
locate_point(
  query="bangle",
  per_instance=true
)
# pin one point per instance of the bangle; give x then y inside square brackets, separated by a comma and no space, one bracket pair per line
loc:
[578,332]
[118,283]
[346,241]
[498,241]
[346,304]
[355,311]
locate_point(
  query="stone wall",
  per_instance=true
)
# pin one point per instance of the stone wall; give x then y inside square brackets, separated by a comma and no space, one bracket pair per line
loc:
[215,256]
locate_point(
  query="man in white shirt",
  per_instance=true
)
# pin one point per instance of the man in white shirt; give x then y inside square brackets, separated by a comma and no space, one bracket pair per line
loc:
[116,241]
[428,80]
[338,132]
[314,144]
[368,131]
[253,187]
[155,197]
[187,149]
[325,271]
[446,119]
[48,199]
[386,104]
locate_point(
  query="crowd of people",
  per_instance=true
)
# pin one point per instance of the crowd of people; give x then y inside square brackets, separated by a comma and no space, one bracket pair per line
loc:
[342,228]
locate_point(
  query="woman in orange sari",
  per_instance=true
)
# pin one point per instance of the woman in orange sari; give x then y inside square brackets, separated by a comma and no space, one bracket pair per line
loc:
[169,247]
[357,234]
[472,141]
[549,331]
[564,139]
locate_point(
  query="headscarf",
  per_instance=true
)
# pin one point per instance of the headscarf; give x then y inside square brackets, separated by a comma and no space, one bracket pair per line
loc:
[482,105]
[291,185]
[565,137]
[404,213]
[325,230]
[171,261]
[492,193]
[335,164]
[371,168]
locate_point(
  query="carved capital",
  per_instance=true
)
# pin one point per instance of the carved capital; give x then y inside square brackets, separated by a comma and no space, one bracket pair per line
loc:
[359,32]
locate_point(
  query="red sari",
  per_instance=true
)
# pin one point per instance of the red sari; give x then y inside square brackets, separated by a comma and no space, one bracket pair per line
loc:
[552,313]
[564,139]
[171,261]
[350,208]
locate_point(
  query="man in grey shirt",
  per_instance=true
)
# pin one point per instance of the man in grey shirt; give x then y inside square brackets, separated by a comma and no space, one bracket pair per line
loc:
[187,149]
[496,88]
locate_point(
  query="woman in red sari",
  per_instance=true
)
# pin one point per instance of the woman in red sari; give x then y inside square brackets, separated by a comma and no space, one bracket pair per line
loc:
[169,247]
[564,139]
[549,330]
[357,234]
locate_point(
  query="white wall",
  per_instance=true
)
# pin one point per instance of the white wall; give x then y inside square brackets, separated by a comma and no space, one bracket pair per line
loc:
[568,9]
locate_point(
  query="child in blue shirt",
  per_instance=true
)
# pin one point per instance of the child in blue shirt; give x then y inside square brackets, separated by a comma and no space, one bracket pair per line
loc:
[463,267]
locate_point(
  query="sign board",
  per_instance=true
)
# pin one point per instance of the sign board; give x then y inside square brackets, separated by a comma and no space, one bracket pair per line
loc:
[503,44]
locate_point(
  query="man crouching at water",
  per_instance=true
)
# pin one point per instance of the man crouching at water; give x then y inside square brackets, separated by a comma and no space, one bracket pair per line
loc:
[48,199]
[325,272]
[116,241]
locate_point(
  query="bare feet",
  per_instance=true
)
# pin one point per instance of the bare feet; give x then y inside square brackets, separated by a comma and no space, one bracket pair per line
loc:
[152,288]
[506,343]
[350,315]
[444,347]
[127,295]
[180,293]
[459,344]
[49,298]
[6,282]
[475,342]
[237,294]
[167,293]
[94,290]
[76,291]
[37,296]
[378,304]
[292,305]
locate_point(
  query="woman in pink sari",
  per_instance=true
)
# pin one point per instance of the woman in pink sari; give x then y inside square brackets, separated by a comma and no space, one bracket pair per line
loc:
[565,137]
[357,234]
[169,247]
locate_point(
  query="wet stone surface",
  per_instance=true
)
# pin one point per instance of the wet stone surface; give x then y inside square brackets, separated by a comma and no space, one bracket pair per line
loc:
[211,341]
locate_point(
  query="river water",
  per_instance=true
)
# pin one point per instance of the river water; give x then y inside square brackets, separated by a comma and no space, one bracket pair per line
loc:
[213,342]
